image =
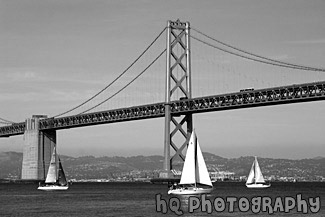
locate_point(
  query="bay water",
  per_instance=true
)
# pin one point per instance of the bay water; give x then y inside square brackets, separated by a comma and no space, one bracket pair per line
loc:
[146,199]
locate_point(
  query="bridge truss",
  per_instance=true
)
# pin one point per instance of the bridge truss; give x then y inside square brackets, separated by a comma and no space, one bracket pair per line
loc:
[264,97]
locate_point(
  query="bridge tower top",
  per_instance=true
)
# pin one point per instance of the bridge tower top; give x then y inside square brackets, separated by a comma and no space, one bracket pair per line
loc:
[178,59]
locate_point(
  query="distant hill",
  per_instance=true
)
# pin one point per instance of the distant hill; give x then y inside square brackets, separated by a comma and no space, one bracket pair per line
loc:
[90,167]
[10,164]
[318,158]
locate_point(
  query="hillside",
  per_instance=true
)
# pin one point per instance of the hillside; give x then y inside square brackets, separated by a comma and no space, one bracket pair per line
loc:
[89,167]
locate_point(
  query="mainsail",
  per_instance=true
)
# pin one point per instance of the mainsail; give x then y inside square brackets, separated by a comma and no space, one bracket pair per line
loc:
[194,169]
[188,173]
[251,176]
[51,173]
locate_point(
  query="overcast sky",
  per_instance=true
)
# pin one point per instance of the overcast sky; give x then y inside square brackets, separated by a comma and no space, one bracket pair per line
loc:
[56,54]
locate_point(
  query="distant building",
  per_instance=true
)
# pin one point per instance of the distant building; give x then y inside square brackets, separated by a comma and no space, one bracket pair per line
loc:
[221,175]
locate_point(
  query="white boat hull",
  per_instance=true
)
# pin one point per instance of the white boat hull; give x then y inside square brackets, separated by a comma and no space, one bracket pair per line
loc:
[183,191]
[260,185]
[53,188]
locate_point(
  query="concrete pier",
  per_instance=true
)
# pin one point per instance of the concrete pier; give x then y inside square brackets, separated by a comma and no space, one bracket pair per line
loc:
[37,150]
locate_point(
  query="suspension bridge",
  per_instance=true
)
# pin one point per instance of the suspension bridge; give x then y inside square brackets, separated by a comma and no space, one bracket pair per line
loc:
[237,88]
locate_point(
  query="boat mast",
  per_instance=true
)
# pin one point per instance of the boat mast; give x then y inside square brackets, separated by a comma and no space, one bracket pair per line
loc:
[255,170]
[56,167]
[195,158]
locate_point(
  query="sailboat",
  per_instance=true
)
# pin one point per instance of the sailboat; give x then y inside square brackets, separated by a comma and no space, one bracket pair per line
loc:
[55,179]
[195,178]
[255,178]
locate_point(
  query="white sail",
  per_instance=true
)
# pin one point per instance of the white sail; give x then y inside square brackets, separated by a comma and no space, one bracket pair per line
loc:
[255,174]
[55,179]
[255,178]
[51,173]
[201,170]
[194,169]
[188,173]
[258,173]
[251,175]
[194,172]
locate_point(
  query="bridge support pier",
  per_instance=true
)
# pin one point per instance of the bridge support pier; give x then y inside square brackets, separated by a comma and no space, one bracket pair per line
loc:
[37,150]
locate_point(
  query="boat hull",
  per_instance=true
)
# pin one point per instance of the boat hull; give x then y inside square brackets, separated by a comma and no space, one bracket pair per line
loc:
[258,185]
[53,188]
[184,191]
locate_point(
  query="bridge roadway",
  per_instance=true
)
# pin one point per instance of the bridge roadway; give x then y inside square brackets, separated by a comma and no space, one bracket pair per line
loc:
[255,98]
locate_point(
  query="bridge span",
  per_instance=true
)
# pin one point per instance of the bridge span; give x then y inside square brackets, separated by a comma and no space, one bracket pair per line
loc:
[296,93]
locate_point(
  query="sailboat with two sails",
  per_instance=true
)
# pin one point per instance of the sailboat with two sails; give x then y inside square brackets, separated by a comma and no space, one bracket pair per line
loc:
[55,179]
[255,178]
[195,178]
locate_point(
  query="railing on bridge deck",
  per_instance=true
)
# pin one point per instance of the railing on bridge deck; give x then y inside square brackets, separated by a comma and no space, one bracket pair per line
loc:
[253,98]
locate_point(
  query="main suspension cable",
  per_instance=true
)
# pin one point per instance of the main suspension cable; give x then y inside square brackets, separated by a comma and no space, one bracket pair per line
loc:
[126,84]
[254,59]
[4,121]
[279,63]
[110,84]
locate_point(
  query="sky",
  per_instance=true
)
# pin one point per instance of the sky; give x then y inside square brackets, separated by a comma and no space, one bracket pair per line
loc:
[56,54]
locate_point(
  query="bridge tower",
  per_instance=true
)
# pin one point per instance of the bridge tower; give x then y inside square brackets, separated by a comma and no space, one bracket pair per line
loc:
[178,86]
[37,150]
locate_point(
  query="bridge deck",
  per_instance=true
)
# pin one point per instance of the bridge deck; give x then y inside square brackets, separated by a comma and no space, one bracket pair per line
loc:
[253,98]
